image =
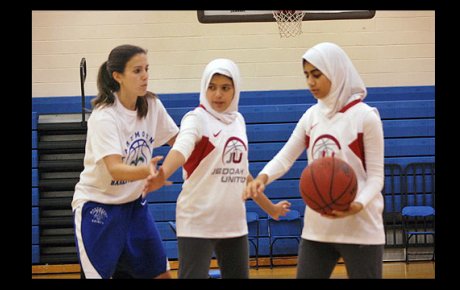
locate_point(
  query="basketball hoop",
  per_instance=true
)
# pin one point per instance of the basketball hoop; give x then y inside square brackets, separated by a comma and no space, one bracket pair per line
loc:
[289,22]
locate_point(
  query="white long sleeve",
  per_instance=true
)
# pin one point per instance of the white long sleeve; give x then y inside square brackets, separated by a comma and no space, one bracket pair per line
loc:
[374,154]
[284,159]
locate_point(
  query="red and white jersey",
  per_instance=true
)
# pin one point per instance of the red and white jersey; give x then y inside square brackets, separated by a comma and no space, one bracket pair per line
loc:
[355,135]
[210,204]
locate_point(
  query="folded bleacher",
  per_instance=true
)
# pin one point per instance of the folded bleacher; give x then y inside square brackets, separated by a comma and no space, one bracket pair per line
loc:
[408,115]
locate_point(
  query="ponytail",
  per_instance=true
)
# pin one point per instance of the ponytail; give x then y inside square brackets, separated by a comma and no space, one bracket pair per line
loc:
[105,85]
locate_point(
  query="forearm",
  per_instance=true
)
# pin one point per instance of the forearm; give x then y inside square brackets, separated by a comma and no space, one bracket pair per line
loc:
[265,203]
[284,159]
[261,199]
[129,172]
[173,161]
[255,190]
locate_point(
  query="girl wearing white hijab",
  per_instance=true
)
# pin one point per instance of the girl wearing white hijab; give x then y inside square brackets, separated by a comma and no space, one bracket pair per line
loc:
[212,147]
[340,124]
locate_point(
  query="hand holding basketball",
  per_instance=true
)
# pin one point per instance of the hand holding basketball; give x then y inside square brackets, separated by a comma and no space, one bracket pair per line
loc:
[328,184]
[354,208]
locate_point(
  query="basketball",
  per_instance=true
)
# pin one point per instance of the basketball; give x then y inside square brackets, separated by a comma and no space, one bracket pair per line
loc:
[327,184]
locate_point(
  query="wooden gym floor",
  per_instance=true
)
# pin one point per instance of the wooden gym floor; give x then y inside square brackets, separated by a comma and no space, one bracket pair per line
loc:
[284,269]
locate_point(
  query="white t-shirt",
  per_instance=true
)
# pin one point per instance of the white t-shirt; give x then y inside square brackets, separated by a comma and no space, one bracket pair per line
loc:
[117,130]
[210,204]
[355,136]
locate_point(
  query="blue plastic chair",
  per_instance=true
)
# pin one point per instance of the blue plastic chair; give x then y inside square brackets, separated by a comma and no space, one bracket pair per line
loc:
[287,227]
[252,219]
[415,223]
[418,213]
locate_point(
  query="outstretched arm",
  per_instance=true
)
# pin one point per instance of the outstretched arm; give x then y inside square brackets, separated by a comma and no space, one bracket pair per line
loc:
[184,143]
[281,163]
[274,210]
[159,177]
[121,171]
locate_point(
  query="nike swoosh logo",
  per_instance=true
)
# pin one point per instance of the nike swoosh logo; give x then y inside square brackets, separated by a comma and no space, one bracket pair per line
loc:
[217,134]
[144,202]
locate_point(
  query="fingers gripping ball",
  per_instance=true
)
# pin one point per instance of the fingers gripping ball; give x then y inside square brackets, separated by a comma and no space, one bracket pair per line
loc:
[328,183]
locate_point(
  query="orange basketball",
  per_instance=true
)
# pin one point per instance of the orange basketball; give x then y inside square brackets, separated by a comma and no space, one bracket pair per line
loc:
[328,183]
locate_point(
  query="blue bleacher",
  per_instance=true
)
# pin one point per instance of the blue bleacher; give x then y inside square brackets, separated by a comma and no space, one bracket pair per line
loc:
[407,113]
[34,159]
[72,105]
[35,216]
[35,198]
[34,177]
[409,130]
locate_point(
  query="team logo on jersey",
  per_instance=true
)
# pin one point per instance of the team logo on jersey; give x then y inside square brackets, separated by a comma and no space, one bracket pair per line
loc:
[139,153]
[325,146]
[216,134]
[99,215]
[233,150]
[137,149]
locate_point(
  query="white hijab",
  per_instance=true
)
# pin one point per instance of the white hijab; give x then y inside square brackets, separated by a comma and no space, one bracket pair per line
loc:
[346,83]
[230,69]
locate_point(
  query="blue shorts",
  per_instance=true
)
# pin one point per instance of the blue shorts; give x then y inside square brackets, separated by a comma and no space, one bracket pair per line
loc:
[122,235]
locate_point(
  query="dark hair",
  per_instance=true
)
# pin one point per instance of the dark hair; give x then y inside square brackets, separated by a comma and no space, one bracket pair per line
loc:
[106,84]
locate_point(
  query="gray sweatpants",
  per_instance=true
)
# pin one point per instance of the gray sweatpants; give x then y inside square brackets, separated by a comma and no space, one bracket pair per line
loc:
[318,259]
[195,257]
